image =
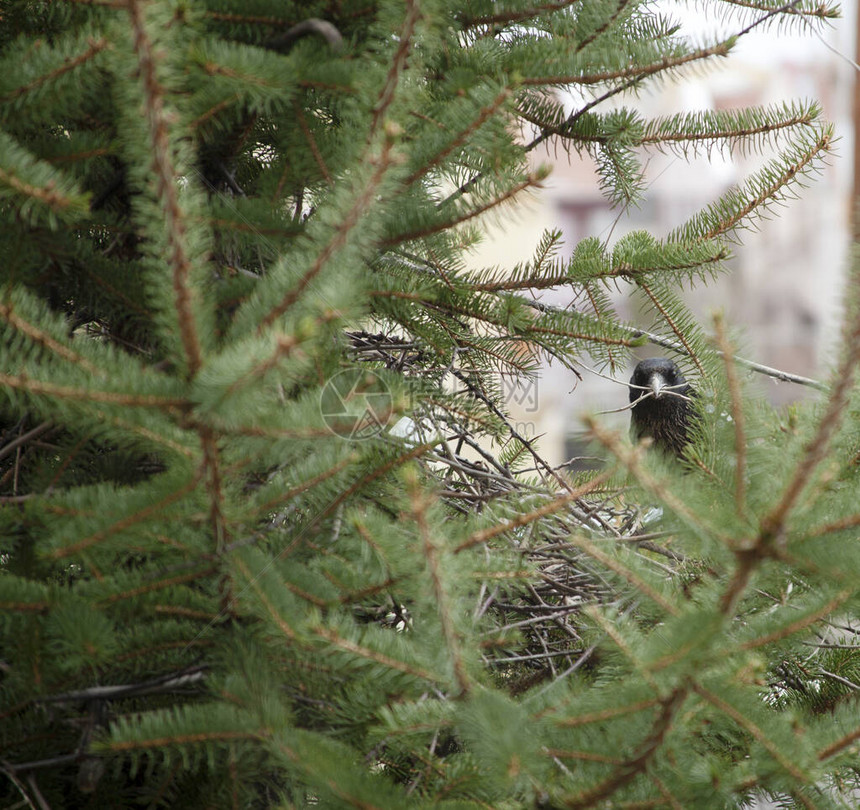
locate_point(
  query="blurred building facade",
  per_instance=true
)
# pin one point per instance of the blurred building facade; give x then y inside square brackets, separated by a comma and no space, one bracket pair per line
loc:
[783,288]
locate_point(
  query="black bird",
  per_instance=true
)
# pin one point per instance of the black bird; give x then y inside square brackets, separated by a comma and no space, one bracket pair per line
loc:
[661,405]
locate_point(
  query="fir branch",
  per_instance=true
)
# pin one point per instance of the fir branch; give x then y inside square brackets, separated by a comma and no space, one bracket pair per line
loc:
[610,20]
[631,460]
[253,582]
[333,637]
[639,761]
[772,186]
[679,333]
[127,300]
[287,495]
[146,433]
[125,523]
[632,75]
[603,715]
[7,312]
[624,571]
[96,46]
[820,10]
[380,472]
[598,313]
[244,19]
[398,64]
[362,202]
[614,633]
[419,503]
[838,746]
[686,128]
[849,522]
[462,137]
[184,740]
[515,16]
[222,105]
[757,733]
[211,471]
[601,339]
[284,346]
[737,415]
[315,150]
[524,519]
[158,585]
[798,625]
[773,524]
[533,180]
[48,195]
[36,387]
[166,189]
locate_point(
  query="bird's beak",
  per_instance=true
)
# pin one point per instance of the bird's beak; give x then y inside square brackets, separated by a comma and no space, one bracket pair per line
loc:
[657,384]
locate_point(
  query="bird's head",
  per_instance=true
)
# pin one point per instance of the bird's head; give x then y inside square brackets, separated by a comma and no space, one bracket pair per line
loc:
[657,377]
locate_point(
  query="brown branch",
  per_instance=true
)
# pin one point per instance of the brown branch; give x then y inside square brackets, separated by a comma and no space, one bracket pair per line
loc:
[601,29]
[818,11]
[47,194]
[603,339]
[636,73]
[505,285]
[747,559]
[291,493]
[187,739]
[166,187]
[850,522]
[603,715]
[151,587]
[626,270]
[450,308]
[33,433]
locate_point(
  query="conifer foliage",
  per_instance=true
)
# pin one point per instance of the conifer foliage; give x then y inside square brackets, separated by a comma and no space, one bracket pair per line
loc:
[269,538]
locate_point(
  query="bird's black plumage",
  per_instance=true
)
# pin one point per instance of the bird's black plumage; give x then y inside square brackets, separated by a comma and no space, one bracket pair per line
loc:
[661,405]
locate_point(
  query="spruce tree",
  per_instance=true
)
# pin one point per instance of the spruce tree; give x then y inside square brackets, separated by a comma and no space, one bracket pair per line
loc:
[269,538]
